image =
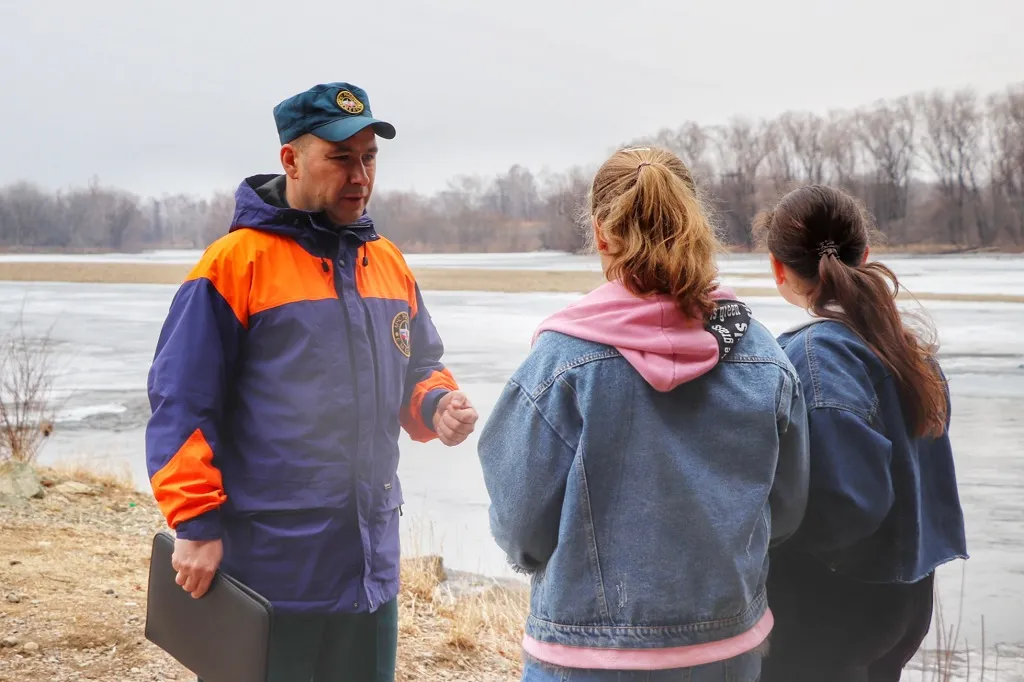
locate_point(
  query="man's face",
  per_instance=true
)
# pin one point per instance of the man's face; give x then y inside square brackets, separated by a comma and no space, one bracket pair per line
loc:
[333,177]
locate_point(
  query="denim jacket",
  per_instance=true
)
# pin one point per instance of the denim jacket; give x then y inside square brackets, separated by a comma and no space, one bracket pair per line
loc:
[883,505]
[644,515]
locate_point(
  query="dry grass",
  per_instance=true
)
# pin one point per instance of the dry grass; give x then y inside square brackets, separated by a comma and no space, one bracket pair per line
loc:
[471,637]
[73,582]
[73,579]
[116,481]
[432,279]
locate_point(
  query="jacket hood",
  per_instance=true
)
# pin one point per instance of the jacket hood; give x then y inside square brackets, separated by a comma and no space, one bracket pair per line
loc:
[665,346]
[254,211]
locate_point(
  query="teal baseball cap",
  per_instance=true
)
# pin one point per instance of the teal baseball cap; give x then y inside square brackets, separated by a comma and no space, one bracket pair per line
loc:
[331,111]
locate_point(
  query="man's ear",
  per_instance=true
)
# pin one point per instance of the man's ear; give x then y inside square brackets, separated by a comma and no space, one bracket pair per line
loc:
[290,161]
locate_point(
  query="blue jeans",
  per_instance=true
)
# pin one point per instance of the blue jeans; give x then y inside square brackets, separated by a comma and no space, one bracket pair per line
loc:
[744,668]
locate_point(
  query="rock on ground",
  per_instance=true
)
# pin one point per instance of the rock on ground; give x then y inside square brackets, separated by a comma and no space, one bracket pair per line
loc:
[19,481]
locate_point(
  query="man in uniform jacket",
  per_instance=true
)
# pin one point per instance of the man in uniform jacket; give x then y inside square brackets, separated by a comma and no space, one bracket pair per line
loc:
[291,357]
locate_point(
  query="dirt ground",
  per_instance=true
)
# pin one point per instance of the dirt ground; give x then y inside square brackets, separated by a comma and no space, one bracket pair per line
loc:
[73,581]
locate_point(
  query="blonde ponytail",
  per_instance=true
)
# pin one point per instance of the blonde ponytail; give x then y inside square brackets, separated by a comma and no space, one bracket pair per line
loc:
[659,236]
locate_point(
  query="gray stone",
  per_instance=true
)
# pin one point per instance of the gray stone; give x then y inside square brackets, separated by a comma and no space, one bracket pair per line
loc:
[431,564]
[19,481]
[76,488]
[9,642]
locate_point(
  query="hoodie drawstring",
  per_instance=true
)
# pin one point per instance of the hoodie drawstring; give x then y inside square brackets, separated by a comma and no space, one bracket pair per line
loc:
[366,261]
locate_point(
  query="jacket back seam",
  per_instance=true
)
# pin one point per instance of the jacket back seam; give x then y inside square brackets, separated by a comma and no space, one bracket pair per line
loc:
[587,358]
[540,412]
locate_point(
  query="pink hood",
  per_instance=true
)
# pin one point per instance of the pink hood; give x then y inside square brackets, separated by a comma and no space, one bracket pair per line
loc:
[666,347]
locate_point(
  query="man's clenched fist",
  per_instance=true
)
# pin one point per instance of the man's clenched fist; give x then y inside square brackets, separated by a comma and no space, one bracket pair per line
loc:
[196,561]
[454,418]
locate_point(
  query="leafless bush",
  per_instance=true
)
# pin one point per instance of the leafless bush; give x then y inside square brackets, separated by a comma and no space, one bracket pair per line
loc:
[27,404]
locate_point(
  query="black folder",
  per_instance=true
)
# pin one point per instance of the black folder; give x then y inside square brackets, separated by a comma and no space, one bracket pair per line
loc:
[223,636]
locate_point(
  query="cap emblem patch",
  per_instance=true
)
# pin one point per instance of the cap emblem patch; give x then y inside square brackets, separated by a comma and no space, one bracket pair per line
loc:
[349,103]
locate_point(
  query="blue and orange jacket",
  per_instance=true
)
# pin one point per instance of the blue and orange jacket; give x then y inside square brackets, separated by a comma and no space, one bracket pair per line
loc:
[289,360]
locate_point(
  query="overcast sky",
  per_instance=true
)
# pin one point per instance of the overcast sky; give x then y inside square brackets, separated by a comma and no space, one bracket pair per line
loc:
[165,97]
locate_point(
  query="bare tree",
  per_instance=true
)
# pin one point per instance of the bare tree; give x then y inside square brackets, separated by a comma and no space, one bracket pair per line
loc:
[217,218]
[26,212]
[949,145]
[806,136]
[27,400]
[839,140]
[742,149]
[780,156]
[514,194]
[886,134]
[564,210]
[122,213]
[1006,161]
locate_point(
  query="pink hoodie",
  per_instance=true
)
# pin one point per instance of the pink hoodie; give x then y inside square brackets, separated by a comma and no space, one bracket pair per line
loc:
[666,347]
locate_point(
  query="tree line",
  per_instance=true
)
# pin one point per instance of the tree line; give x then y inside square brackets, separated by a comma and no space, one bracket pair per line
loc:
[938,168]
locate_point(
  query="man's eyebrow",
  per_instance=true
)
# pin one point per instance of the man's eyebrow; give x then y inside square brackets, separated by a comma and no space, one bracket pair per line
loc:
[346,149]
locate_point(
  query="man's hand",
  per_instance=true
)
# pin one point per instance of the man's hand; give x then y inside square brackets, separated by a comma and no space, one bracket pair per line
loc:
[196,561]
[454,418]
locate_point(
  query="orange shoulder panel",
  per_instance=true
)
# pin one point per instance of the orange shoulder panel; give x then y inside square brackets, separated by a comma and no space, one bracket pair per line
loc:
[227,264]
[284,273]
[255,271]
[386,274]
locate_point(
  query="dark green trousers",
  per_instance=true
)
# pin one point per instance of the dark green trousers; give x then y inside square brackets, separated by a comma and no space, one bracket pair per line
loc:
[358,647]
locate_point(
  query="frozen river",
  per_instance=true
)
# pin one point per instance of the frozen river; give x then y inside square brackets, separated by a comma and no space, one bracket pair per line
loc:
[982,273]
[107,333]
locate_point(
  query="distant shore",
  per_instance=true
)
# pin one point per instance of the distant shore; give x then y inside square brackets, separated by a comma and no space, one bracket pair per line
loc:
[430,279]
[897,249]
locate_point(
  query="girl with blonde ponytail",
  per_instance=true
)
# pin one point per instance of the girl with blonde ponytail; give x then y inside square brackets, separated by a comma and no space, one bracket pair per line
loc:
[648,451]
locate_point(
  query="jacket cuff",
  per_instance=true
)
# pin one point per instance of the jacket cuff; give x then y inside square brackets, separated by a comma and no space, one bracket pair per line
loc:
[206,526]
[429,406]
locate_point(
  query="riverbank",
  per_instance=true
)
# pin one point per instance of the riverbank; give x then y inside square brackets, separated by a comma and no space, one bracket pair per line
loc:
[432,279]
[73,582]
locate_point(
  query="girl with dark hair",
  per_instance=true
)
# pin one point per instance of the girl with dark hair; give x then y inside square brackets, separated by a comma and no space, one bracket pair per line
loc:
[851,590]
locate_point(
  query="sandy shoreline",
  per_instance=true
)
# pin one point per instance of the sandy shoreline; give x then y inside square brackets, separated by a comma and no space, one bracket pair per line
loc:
[430,279]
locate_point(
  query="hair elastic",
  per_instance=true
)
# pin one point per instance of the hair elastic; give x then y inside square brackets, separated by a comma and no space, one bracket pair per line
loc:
[828,248]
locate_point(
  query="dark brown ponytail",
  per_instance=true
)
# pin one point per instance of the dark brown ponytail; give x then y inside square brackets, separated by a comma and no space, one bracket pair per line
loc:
[821,233]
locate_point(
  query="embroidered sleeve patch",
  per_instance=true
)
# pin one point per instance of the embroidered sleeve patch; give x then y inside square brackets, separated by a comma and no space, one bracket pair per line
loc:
[400,333]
